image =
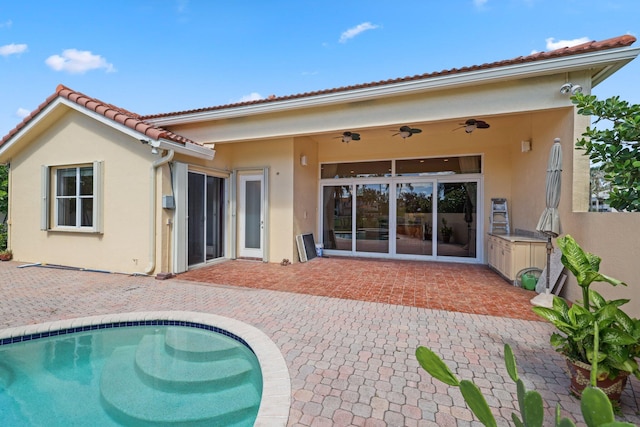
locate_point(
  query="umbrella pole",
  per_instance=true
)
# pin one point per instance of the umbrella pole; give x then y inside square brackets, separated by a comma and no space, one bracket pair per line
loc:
[549,250]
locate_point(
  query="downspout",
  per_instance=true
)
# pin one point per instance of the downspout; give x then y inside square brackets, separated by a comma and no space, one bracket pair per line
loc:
[152,210]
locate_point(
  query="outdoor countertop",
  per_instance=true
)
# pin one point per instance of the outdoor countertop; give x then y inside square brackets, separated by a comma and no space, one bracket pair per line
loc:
[518,238]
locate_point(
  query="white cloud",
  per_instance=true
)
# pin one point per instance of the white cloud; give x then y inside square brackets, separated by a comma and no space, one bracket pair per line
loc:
[553,45]
[78,62]
[22,112]
[6,24]
[253,96]
[352,32]
[12,49]
[479,3]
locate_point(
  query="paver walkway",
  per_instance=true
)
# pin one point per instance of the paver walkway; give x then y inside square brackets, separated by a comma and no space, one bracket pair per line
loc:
[351,362]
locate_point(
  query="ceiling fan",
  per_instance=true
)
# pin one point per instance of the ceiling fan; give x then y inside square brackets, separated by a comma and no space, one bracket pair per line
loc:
[473,124]
[349,136]
[407,131]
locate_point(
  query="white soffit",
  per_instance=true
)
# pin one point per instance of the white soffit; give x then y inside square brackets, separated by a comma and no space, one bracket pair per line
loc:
[609,61]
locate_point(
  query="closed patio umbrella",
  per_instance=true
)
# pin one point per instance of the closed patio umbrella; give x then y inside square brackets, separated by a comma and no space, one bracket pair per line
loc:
[549,223]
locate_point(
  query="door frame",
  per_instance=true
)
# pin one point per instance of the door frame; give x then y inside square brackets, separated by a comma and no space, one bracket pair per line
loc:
[240,178]
[180,173]
[392,181]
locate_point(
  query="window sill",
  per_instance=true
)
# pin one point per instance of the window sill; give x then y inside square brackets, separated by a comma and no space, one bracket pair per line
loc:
[74,230]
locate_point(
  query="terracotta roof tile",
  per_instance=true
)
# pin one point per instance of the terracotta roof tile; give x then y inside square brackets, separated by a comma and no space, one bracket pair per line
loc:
[616,42]
[119,115]
[138,122]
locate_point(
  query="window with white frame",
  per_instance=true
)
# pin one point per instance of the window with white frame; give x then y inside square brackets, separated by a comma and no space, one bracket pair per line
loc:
[76,194]
[74,197]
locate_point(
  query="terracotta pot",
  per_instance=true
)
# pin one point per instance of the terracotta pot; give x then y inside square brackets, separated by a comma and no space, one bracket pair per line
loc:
[5,257]
[581,377]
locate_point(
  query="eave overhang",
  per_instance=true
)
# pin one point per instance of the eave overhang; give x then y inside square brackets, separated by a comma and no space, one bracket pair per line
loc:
[602,63]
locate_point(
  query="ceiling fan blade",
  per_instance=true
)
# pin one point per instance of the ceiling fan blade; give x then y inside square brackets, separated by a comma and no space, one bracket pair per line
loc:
[405,129]
[415,130]
[482,125]
[355,136]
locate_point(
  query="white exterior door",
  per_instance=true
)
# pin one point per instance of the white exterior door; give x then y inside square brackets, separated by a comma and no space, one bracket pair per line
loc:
[251,216]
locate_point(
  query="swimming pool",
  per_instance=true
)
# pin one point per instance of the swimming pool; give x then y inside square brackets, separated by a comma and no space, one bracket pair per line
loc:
[108,371]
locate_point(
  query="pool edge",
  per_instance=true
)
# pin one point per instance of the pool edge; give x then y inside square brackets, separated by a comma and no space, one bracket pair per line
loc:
[276,390]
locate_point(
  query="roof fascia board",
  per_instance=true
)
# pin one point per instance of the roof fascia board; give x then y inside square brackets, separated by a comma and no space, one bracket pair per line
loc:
[192,150]
[510,72]
[188,149]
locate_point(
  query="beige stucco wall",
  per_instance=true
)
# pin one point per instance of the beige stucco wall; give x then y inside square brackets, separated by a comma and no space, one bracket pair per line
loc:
[613,236]
[305,188]
[77,139]
[277,155]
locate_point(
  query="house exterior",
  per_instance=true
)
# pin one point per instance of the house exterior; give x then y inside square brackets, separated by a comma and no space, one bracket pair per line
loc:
[382,169]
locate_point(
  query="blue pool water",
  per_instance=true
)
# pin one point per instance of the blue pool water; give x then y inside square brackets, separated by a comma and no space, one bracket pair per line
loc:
[132,376]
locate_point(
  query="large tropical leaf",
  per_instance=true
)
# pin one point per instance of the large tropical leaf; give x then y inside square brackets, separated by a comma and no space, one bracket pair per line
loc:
[573,257]
[596,407]
[616,337]
[552,316]
[626,323]
[510,363]
[583,265]
[477,403]
[434,365]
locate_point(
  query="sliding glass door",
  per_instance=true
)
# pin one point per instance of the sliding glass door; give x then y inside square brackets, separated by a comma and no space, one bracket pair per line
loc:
[414,218]
[205,218]
[457,218]
[409,214]
[372,218]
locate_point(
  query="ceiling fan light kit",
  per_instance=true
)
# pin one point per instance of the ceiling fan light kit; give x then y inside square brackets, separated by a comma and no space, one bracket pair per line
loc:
[407,132]
[348,136]
[473,124]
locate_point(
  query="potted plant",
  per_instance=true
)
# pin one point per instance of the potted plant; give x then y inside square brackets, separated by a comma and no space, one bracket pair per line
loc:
[6,255]
[596,407]
[593,323]
[445,231]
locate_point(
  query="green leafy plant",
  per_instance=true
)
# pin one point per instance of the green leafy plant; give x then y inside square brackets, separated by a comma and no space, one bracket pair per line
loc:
[593,318]
[614,146]
[445,231]
[595,406]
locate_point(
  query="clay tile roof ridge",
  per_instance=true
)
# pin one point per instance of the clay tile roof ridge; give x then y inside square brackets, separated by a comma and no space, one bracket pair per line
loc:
[112,112]
[620,41]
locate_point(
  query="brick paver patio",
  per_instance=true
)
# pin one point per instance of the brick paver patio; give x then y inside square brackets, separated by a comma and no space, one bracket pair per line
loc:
[466,288]
[351,361]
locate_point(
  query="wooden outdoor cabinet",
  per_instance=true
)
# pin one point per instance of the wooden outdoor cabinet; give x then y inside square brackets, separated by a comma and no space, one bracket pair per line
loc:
[508,254]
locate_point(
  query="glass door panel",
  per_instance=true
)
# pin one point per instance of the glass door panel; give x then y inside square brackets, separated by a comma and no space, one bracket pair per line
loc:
[251,216]
[372,218]
[337,217]
[456,227]
[215,215]
[196,221]
[414,218]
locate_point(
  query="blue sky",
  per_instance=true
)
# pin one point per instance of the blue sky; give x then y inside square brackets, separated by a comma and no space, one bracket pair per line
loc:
[155,56]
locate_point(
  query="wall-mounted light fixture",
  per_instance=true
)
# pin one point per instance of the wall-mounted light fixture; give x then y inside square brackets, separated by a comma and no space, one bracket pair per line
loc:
[154,149]
[525,145]
[570,87]
[303,160]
